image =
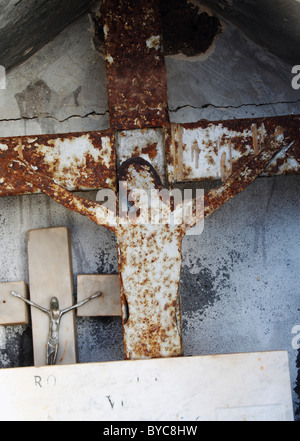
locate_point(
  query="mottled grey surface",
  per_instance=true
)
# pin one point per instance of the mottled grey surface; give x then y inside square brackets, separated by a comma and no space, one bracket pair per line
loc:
[273,24]
[61,89]
[238,80]
[27,25]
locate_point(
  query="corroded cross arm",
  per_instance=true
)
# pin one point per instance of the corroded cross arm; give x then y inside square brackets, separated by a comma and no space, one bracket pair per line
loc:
[242,176]
[93,210]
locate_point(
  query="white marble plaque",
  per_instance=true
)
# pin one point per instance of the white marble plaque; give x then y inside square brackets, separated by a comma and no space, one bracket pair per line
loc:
[254,386]
[108,304]
[50,274]
[13,311]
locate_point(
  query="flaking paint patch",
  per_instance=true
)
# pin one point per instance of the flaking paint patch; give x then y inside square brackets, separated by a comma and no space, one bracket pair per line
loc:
[71,151]
[154,42]
[76,161]
[109,59]
[207,150]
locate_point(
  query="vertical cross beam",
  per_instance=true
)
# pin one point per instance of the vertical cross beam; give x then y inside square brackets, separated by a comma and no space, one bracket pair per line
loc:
[137,93]
[136,74]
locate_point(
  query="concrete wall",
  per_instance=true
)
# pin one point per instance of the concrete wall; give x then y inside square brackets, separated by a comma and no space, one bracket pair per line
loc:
[270,23]
[27,25]
[240,279]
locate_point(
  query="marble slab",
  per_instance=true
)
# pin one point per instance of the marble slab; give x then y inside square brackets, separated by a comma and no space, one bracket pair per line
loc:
[236,387]
[50,274]
[13,311]
[109,304]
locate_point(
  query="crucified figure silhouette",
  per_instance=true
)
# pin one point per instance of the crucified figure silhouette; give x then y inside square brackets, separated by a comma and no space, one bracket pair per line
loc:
[55,315]
[149,254]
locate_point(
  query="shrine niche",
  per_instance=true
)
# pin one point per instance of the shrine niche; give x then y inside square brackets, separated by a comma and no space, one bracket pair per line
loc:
[136,165]
[137,96]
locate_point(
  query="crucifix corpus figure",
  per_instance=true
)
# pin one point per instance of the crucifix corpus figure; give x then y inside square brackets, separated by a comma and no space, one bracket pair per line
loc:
[55,315]
[150,253]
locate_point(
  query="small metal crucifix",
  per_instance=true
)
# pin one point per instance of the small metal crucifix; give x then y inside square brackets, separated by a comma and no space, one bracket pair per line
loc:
[55,316]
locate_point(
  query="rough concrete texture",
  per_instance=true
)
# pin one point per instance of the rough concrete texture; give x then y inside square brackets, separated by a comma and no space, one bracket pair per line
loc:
[237,79]
[240,278]
[273,24]
[26,25]
[61,89]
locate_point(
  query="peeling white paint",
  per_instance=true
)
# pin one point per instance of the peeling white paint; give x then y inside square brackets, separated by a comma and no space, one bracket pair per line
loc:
[211,151]
[69,156]
[153,42]
[109,59]
[105,153]
[105,30]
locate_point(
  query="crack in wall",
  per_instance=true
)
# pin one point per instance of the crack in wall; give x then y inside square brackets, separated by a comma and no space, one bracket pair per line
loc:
[37,118]
[177,109]
[220,107]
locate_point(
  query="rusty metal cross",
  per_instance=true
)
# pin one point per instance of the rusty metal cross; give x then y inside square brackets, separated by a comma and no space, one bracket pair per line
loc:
[149,253]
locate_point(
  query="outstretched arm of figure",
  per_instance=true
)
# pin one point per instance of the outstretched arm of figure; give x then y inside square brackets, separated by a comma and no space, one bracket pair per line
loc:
[94,210]
[252,167]
[15,294]
[94,296]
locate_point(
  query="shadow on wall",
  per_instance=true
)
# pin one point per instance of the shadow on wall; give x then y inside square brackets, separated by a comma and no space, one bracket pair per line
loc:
[272,24]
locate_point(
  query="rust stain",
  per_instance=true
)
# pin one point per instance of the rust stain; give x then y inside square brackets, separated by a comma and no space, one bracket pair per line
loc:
[177,151]
[149,287]
[195,153]
[140,173]
[64,353]
[75,161]
[150,150]
[243,175]
[244,137]
[255,139]
[247,171]
[136,73]
[224,170]
[223,167]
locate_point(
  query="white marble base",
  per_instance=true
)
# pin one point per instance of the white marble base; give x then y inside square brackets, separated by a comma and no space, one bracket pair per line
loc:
[253,386]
